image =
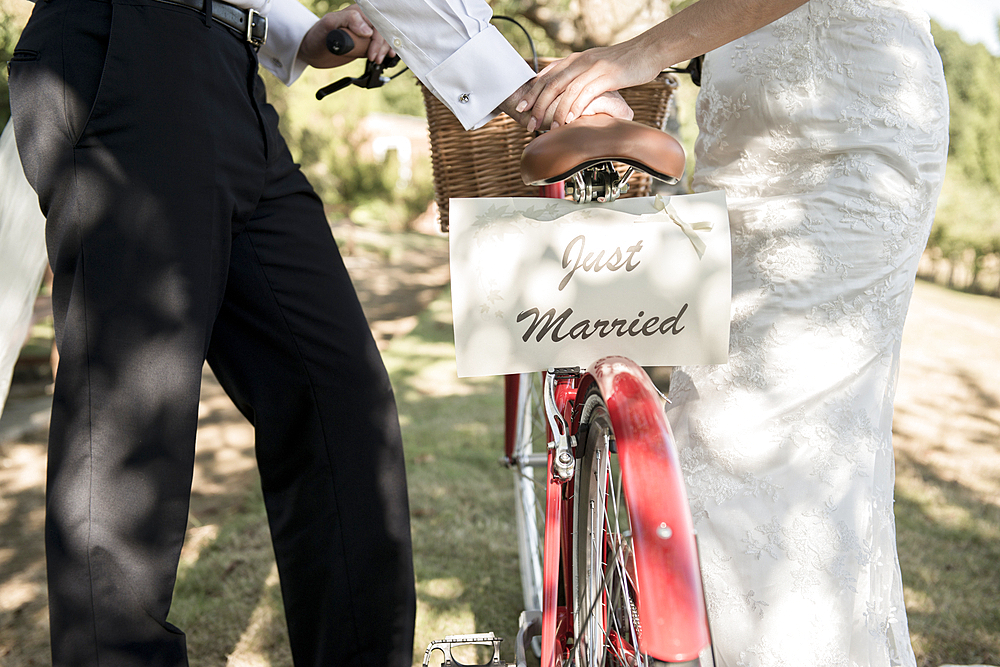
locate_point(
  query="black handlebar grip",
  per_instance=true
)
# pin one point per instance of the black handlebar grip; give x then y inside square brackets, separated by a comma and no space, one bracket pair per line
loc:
[339,42]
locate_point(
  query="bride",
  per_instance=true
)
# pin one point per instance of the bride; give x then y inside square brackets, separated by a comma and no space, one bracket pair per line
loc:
[826,124]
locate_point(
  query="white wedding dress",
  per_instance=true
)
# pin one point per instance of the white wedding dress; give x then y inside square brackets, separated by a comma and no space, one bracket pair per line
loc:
[828,131]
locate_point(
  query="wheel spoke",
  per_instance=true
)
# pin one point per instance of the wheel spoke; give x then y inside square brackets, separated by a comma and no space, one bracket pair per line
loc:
[607,625]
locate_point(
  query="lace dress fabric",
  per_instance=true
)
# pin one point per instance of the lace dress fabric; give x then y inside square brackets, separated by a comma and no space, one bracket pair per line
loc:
[828,131]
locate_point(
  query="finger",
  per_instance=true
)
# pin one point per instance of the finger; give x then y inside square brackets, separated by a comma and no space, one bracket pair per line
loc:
[377,48]
[576,106]
[541,80]
[545,104]
[357,23]
[611,104]
[566,82]
[546,121]
[577,97]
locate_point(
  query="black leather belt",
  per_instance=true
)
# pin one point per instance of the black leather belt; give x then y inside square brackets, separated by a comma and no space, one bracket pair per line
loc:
[247,23]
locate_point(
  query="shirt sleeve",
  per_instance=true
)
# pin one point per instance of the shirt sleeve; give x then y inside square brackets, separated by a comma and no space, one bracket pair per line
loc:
[288,21]
[453,49]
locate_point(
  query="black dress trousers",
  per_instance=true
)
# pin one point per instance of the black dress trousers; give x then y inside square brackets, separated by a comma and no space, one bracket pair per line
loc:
[180,230]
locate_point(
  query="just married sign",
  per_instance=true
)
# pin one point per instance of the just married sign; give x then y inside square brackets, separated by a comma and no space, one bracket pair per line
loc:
[538,283]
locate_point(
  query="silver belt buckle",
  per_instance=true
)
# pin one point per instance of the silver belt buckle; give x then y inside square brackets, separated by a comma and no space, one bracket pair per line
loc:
[252,17]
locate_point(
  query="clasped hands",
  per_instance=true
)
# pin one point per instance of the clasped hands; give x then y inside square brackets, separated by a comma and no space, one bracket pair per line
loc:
[581,84]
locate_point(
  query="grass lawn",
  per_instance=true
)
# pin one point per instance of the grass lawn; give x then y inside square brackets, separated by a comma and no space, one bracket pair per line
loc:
[947,438]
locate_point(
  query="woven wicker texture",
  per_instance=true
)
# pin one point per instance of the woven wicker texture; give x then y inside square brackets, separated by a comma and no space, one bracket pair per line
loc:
[486,162]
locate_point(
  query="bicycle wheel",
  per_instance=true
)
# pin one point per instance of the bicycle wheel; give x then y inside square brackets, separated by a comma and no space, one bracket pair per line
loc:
[606,580]
[606,620]
[530,452]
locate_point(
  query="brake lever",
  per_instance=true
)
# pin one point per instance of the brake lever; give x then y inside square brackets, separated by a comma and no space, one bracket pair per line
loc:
[372,78]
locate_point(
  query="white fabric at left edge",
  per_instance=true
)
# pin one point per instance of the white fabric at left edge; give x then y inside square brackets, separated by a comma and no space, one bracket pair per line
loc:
[22,257]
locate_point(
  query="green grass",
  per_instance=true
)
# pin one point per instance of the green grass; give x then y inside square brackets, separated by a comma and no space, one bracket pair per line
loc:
[947,438]
[461,498]
[227,596]
[949,545]
[462,518]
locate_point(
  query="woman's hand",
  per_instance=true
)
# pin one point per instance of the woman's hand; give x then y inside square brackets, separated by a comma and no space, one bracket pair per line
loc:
[313,50]
[565,89]
[611,104]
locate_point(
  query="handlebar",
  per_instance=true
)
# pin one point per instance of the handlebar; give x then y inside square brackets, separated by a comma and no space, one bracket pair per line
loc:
[341,42]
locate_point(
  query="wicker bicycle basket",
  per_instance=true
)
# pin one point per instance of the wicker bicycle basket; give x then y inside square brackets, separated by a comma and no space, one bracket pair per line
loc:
[486,162]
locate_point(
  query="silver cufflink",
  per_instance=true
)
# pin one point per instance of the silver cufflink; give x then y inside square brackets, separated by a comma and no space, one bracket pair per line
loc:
[464,98]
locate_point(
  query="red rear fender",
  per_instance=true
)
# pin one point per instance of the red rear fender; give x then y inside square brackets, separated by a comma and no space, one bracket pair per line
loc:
[671,602]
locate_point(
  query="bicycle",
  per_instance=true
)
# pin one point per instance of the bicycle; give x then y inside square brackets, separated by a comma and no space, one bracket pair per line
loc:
[608,558]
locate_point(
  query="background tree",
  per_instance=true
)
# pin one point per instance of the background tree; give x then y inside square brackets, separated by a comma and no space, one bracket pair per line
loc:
[575,25]
[966,231]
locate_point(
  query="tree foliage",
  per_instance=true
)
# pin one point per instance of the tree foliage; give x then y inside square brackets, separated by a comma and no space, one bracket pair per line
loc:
[576,25]
[967,223]
[973,76]
[13,16]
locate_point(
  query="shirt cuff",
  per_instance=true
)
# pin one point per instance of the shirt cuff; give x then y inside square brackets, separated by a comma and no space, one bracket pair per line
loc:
[474,80]
[288,21]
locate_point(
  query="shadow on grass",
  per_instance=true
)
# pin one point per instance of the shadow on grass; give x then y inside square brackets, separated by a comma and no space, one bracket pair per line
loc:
[461,498]
[984,402]
[227,559]
[949,547]
[226,597]
[24,624]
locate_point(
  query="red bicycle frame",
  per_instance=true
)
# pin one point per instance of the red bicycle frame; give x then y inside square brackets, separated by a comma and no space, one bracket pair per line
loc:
[671,602]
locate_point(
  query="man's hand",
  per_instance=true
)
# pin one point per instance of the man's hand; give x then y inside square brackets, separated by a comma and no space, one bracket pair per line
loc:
[313,49]
[610,103]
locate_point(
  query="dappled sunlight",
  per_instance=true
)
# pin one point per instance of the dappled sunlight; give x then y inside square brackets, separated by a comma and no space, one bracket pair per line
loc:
[24,622]
[255,644]
[940,507]
[23,469]
[441,379]
[946,436]
[24,588]
[448,588]
[471,429]
[947,414]
[438,618]
[423,364]
[224,449]
[196,539]
[918,601]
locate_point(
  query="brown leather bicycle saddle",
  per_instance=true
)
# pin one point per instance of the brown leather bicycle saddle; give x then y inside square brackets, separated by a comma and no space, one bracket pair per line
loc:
[558,154]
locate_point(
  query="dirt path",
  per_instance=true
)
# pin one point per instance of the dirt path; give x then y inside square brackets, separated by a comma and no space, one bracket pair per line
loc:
[947,420]
[947,413]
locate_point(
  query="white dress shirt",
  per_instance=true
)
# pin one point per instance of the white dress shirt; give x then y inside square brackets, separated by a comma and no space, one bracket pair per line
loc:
[449,45]
[453,49]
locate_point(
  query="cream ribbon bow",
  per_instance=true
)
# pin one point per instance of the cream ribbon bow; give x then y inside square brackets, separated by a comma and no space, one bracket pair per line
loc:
[663,204]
